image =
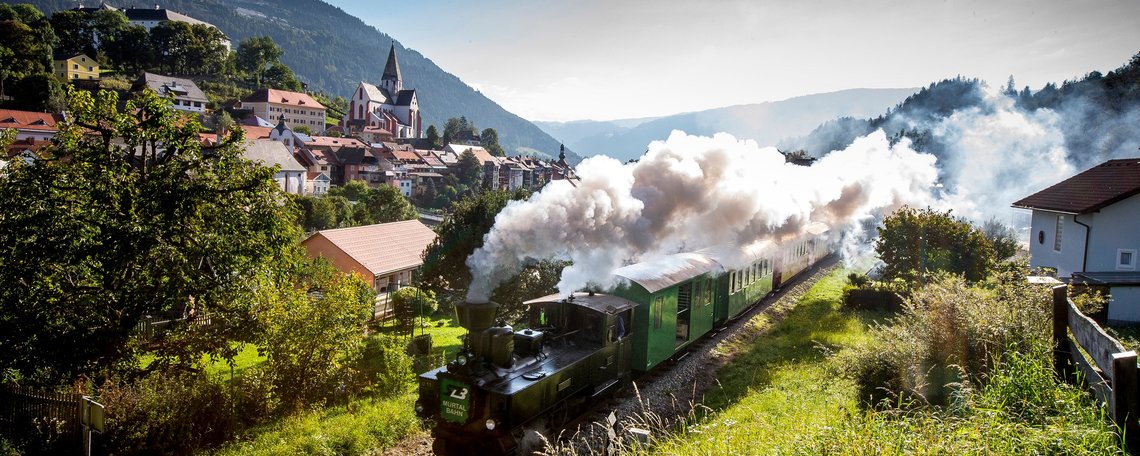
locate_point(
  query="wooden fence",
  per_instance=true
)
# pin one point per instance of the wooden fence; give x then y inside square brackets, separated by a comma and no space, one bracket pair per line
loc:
[50,419]
[1109,370]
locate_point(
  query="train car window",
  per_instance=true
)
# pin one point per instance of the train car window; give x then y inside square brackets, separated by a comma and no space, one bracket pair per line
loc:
[697,293]
[708,291]
[658,306]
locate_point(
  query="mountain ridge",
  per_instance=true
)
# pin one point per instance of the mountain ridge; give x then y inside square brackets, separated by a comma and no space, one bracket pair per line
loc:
[766,122]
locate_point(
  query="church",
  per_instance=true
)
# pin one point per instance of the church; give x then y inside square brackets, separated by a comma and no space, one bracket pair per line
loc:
[388,106]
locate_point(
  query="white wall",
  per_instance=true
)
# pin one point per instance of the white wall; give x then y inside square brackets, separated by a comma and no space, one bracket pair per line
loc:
[1041,253]
[1117,227]
[1125,305]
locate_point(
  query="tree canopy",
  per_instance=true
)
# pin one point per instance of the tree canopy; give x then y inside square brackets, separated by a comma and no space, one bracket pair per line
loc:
[445,269]
[912,243]
[127,215]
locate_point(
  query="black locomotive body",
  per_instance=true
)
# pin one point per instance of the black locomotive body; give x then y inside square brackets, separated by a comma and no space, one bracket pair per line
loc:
[505,382]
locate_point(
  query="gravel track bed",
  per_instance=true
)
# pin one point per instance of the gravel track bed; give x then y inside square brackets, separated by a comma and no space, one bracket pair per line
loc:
[672,390]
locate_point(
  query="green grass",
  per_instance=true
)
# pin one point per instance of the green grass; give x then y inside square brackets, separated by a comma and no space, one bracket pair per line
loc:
[246,358]
[785,394]
[779,391]
[365,426]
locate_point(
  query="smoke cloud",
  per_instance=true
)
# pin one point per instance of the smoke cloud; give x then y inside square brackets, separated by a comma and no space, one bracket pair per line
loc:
[689,193]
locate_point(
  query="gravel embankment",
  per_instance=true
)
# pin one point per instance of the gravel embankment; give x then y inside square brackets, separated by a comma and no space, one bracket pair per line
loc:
[672,390]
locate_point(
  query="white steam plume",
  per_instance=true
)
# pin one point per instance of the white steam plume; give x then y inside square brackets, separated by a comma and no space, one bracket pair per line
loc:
[689,193]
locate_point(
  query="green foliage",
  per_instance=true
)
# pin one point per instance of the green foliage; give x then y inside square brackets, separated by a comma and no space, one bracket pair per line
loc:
[386,366]
[313,332]
[362,427]
[432,136]
[166,414]
[26,40]
[457,125]
[913,243]
[279,76]
[383,204]
[182,48]
[40,92]
[99,233]
[445,269]
[489,139]
[353,190]
[469,170]
[255,55]
[411,304]
[951,333]
[1003,238]
[317,213]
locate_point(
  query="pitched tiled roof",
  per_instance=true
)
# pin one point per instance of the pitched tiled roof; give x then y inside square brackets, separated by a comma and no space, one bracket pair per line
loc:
[1089,191]
[330,141]
[176,87]
[283,97]
[385,247]
[28,120]
[375,93]
[407,156]
[269,153]
[405,97]
[252,132]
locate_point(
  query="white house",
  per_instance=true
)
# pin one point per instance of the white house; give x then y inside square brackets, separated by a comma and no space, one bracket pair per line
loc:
[184,93]
[317,183]
[1087,229]
[290,176]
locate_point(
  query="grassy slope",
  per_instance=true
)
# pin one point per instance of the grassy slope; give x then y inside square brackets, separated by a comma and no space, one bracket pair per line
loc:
[779,391]
[364,426]
[784,396]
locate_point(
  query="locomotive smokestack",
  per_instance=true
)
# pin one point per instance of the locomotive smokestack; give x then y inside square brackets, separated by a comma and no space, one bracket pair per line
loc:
[476,316]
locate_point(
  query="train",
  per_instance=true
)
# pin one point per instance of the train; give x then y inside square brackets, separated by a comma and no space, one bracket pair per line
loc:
[571,351]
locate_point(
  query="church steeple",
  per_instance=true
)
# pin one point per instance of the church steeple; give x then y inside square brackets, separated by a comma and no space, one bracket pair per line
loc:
[391,79]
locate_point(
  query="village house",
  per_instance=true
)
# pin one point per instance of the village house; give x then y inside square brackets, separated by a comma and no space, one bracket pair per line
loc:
[1084,229]
[151,17]
[317,183]
[296,109]
[75,67]
[184,93]
[385,109]
[290,176]
[384,255]
[36,126]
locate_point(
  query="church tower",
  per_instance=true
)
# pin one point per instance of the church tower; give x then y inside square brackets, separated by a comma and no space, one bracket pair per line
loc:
[391,79]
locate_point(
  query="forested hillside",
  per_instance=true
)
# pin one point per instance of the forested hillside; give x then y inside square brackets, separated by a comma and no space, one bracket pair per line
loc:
[1096,114]
[332,51]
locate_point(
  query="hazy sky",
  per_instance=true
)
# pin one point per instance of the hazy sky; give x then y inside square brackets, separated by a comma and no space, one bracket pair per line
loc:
[611,59]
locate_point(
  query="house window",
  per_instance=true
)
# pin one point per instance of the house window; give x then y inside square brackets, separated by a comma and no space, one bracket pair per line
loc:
[1126,259]
[1057,234]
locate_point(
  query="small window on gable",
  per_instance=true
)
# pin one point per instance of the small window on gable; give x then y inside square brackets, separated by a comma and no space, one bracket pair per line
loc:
[1057,234]
[1126,259]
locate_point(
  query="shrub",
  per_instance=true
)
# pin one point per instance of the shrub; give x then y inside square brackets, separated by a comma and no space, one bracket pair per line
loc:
[166,413]
[386,366]
[950,335]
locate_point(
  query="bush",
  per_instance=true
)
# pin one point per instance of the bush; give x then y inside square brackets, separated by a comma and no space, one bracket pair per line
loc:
[166,413]
[950,335]
[386,366]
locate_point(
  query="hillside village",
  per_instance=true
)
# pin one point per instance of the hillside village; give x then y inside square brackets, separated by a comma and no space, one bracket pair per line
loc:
[379,139]
[203,256]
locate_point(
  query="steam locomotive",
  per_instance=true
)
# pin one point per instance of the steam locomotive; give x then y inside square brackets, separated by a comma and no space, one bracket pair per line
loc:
[577,349]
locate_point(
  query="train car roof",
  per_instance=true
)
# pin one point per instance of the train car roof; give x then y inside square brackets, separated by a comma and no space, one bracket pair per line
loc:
[603,303]
[662,273]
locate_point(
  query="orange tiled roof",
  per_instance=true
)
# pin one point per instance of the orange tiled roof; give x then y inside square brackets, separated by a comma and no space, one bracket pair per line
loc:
[283,97]
[383,248]
[27,120]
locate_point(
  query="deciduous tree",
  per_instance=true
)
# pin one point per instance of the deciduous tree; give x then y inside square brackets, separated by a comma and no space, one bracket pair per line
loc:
[912,243]
[126,215]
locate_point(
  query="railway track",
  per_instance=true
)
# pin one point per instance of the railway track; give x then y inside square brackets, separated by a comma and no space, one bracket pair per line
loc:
[672,391]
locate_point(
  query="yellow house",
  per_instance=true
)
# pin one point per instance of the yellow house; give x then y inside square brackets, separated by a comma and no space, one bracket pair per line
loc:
[75,68]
